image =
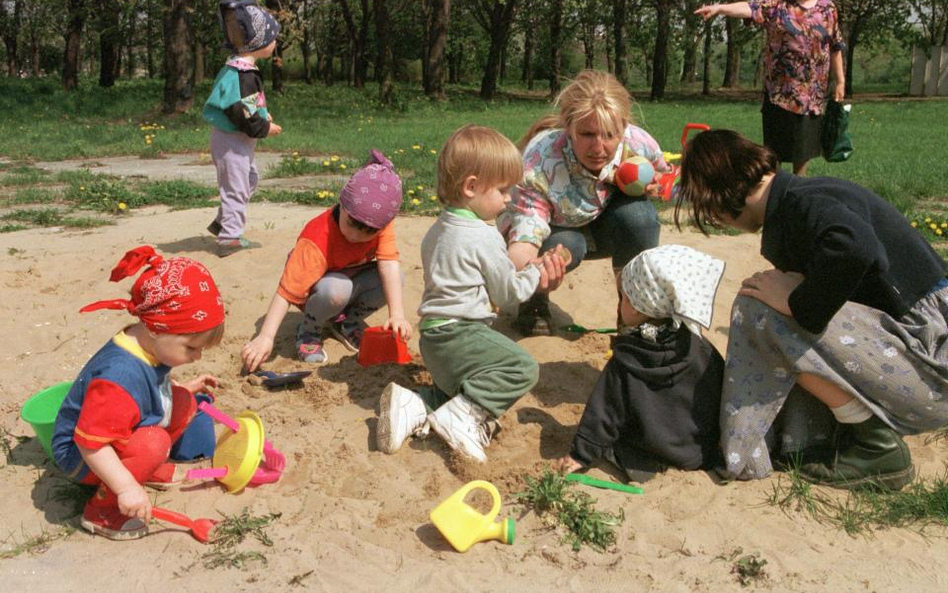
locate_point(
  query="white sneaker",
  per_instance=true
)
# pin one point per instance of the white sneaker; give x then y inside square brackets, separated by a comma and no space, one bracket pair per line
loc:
[402,413]
[465,426]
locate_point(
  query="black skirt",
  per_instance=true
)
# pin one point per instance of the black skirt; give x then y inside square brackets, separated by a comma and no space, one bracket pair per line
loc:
[794,137]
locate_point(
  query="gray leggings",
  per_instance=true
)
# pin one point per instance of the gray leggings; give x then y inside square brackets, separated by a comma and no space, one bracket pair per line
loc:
[358,292]
[237,178]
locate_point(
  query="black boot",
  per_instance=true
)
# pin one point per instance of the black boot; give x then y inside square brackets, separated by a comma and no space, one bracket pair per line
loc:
[533,316]
[876,456]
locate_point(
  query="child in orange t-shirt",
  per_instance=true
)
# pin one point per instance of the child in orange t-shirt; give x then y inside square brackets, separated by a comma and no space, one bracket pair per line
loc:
[343,268]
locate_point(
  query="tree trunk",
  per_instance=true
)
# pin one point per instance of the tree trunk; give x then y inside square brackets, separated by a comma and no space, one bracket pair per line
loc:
[618,32]
[556,52]
[500,15]
[34,54]
[385,62]
[660,59]
[732,67]
[130,45]
[610,65]
[149,39]
[177,68]
[706,71]
[362,63]
[199,52]
[304,46]
[437,42]
[690,37]
[11,29]
[356,70]
[73,39]
[276,62]
[109,41]
[854,34]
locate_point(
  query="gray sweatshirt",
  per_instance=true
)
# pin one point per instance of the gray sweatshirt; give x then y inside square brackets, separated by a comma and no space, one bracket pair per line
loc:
[467,269]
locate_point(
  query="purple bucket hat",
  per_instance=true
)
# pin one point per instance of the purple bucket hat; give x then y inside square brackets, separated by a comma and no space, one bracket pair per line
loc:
[373,195]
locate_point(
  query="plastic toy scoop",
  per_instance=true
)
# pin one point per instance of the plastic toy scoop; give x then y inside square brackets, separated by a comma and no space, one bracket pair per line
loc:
[381,346]
[597,483]
[579,329]
[200,528]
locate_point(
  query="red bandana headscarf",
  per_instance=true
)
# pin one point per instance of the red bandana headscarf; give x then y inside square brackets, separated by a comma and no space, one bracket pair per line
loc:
[173,296]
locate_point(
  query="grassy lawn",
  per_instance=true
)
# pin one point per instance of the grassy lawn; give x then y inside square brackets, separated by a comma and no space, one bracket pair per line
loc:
[900,152]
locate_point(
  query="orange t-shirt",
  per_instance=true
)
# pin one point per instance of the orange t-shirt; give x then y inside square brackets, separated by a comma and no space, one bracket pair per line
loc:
[322,248]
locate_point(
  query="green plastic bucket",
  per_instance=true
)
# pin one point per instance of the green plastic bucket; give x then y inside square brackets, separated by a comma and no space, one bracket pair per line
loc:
[41,410]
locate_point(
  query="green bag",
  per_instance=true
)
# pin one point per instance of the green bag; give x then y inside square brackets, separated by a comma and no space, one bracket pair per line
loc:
[834,137]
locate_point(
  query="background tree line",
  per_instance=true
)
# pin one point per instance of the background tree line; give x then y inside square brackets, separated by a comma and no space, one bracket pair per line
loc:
[533,44]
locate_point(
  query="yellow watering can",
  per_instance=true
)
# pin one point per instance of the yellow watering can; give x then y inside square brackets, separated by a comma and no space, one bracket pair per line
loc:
[463,526]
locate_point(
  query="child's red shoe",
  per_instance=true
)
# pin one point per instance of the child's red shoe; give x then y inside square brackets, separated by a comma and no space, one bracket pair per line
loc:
[109,522]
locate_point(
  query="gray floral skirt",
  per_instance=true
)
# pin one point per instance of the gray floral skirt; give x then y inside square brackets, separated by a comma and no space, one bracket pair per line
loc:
[897,367]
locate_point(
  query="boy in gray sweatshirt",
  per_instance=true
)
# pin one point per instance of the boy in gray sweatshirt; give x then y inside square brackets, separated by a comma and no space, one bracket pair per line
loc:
[478,373]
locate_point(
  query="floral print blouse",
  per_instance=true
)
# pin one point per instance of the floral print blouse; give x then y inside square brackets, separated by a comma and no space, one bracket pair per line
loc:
[557,190]
[797,51]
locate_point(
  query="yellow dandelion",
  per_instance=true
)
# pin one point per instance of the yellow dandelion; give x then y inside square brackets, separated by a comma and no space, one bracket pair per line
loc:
[944,225]
[325,163]
[82,188]
[420,187]
[914,224]
[122,206]
[433,198]
[411,192]
[933,226]
[295,153]
[334,158]
[416,147]
[416,201]
[938,232]
[928,220]
[343,166]
[432,151]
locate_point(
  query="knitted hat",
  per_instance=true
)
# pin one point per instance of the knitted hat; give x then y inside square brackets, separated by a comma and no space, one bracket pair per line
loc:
[675,282]
[373,194]
[246,26]
[172,296]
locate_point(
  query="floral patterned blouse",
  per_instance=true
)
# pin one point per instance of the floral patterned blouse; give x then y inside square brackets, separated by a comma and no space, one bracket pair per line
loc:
[797,51]
[557,190]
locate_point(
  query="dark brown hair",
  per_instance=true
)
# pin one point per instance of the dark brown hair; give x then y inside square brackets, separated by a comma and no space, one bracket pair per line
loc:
[719,169]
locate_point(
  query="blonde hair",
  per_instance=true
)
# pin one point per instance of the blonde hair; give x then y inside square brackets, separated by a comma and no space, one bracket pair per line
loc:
[591,92]
[213,336]
[479,151]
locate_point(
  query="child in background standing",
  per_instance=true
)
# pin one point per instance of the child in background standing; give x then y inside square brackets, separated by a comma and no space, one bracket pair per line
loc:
[237,112]
[478,373]
[124,412]
[656,402]
[343,268]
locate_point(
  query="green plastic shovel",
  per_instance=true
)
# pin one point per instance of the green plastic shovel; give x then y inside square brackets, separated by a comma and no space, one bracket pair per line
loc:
[591,481]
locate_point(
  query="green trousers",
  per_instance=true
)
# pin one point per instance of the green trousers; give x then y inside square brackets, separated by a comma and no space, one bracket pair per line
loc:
[470,358]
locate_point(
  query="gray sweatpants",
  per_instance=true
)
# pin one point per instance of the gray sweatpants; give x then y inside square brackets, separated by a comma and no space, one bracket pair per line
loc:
[237,178]
[357,291]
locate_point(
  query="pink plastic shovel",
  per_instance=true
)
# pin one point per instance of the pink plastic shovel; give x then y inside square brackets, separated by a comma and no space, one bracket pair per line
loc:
[271,467]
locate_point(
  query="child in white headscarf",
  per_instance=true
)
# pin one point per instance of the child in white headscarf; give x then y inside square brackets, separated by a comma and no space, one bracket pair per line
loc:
[656,402]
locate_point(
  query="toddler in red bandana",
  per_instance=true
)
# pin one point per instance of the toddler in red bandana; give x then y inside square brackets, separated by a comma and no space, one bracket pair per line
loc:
[117,425]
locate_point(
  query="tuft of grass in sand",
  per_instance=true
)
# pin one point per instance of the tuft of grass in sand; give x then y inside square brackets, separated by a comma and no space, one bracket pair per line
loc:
[749,568]
[36,544]
[552,495]
[920,505]
[231,532]
[47,217]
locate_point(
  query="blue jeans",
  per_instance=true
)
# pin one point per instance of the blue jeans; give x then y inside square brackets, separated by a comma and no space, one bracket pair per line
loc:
[625,228]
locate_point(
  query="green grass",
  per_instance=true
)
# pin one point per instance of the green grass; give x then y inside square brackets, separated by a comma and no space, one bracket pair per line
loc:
[36,544]
[34,195]
[552,496]
[229,533]
[47,217]
[921,504]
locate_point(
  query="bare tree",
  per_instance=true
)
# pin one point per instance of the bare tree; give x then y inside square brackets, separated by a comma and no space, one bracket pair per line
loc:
[357,38]
[438,16]
[75,20]
[178,95]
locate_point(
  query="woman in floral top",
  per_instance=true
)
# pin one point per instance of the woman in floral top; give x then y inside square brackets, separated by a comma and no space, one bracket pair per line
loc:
[568,195]
[803,45]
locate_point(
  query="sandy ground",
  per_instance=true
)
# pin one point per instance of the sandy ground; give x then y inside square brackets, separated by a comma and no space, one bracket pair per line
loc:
[354,519]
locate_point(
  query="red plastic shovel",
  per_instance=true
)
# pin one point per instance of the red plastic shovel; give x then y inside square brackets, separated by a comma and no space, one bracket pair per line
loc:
[200,528]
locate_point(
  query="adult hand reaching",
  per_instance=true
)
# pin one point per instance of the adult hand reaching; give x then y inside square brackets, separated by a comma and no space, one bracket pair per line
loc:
[773,288]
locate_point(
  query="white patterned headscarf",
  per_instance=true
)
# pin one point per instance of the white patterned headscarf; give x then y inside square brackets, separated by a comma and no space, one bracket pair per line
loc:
[674,282]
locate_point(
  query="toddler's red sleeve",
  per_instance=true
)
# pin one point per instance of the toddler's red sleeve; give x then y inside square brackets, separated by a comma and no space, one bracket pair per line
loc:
[108,414]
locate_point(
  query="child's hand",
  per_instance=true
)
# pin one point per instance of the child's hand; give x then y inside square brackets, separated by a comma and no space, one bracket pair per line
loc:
[274,130]
[652,190]
[567,465]
[133,502]
[201,384]
[256,352]
[709,11]
[400,326]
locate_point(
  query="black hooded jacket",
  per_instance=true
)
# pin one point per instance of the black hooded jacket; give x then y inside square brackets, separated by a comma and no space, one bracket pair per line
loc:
[656,403]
